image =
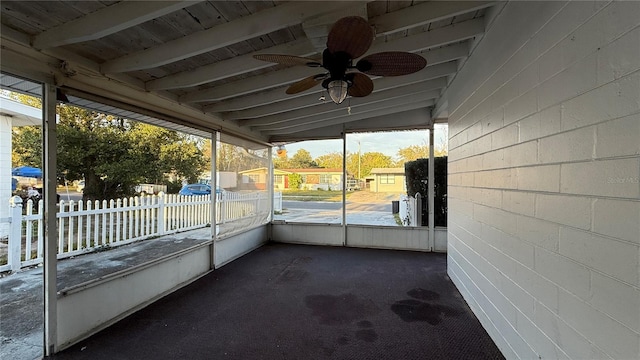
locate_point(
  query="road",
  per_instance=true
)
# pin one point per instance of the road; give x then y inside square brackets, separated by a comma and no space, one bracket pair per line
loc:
[326,205]
[71,195]
[287,204]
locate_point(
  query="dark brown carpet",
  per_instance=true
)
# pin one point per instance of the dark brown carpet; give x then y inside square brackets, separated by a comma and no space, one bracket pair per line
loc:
[304,302]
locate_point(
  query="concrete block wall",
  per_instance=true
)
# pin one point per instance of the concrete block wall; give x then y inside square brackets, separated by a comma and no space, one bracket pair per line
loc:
[544,180]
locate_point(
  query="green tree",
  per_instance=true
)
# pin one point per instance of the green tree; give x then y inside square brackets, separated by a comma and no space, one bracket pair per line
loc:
[26,141]
[330,161]
[354,168]
[98,148]
[165,151]
[302,160]
[281,162]
[236,158]
[112,154]
[26,145]
[370,160]
[413,152]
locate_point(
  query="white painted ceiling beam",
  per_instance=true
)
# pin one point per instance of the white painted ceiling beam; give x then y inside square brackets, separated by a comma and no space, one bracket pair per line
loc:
[446,54]
[231,67]
[257,99]
[250,85]
[436,56]
[107,21]
[379,110]
[431,39]
[274,121]
[247,63]
[418,118]
[423,14]
[244,28]
[411,119]
[381,84]
[418,42]
[332,111]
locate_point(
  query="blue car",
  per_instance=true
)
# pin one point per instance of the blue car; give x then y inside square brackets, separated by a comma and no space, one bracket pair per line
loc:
[198,189]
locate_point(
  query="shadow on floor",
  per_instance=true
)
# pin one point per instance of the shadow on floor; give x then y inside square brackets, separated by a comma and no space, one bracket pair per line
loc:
[304,302]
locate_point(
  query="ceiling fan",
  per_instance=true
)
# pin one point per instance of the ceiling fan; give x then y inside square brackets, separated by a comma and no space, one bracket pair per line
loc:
[349,38]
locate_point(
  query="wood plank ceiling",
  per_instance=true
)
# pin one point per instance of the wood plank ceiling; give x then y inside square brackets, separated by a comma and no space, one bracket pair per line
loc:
[191,62]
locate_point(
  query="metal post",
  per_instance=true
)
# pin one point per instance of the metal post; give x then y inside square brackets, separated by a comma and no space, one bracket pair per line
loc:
[161,215]
[214,198]
[359,156]
[15,234]
[270,182]
[431,191]
[49,219]
[344,187]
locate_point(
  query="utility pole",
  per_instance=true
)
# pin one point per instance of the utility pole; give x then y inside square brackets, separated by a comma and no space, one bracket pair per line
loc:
[359,162]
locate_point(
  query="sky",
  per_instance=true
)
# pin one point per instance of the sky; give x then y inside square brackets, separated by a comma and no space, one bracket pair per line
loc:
[387,143]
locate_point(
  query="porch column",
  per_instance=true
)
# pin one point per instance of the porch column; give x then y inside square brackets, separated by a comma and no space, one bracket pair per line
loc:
[49,218]
[344,187]
[214,197]
[270,183]
[431,191]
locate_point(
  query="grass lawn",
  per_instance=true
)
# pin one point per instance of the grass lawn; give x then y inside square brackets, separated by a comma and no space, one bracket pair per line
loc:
[312,195]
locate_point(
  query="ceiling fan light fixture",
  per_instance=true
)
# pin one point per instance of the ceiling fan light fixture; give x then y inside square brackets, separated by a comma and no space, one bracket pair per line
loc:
[338,90]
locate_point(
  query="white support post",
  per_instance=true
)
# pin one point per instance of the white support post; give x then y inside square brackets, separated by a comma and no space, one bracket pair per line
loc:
[214,198]
[161,214]
[344,187]
[223,207]
[418,210]
[15,234]
[431,191]
[270,183]
[49,216]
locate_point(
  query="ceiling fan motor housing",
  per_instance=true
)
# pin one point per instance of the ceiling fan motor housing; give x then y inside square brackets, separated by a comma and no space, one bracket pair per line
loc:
[336,63]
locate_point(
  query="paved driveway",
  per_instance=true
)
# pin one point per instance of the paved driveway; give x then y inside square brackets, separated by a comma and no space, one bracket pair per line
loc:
[363,208]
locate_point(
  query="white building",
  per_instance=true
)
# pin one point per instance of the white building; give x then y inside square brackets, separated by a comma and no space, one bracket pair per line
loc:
[12,114]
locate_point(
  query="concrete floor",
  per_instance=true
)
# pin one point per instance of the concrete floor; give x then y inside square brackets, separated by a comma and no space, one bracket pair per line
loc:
[287,301]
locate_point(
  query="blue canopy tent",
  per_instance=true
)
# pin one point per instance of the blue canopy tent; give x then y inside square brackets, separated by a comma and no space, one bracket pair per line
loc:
[27,171]
[30,172]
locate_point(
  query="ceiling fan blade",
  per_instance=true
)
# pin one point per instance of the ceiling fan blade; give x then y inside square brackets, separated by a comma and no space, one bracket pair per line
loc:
[289,60]
[361,86]
[352,35]
[305,84]
[391,63]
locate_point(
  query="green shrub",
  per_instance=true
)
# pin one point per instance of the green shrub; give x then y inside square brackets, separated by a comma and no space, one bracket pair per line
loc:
[295,180]
[417,177]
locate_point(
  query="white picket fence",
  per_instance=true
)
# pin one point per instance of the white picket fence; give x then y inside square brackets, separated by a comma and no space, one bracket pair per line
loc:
[89,226]
[410,210]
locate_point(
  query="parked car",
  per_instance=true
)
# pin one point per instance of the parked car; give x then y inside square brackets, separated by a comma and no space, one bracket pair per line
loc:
[80,186]
[198,189]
